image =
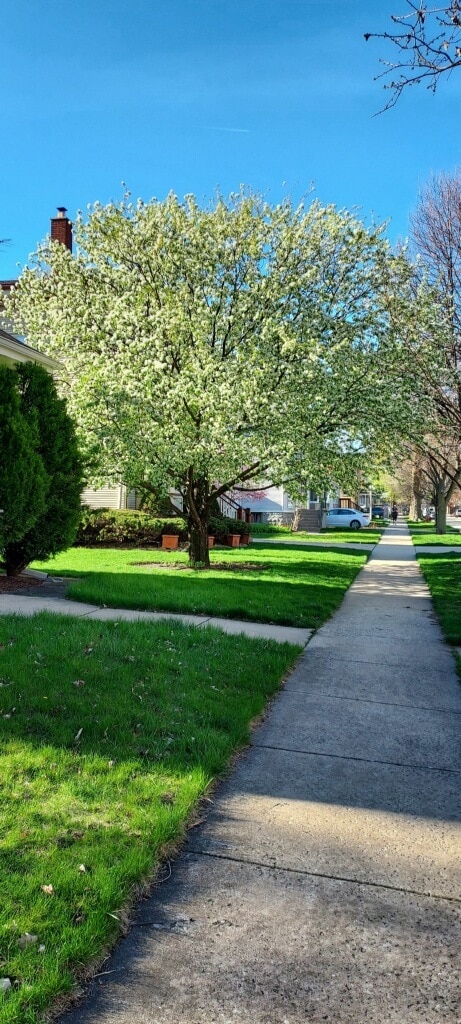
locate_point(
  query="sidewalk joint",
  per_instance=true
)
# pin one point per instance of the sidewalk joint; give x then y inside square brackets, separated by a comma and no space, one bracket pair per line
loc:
[351,757]
[368,700]
[332,878]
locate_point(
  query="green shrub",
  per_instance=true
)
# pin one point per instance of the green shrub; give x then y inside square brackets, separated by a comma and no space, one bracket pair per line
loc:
[23,478]
[156,504]
[267,529]
[218,528]
[174,526]
[55,525]
[221,526]
[126,526]
[238,526]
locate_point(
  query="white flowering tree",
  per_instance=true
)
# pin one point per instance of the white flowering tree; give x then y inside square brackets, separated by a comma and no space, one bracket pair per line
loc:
[206,349]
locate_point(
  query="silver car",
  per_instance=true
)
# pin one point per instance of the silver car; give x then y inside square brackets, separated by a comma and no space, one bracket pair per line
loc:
[346,517]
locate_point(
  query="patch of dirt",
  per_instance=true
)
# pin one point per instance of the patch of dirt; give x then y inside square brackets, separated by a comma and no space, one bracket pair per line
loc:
[234,566]
[131,545]
[9,583]
[29,586]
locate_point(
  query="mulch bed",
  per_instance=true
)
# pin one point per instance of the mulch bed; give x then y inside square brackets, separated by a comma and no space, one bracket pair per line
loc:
[30,586]
[13,583]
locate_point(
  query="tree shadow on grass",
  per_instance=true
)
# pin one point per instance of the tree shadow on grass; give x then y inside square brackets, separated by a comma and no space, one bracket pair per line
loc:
[283,593]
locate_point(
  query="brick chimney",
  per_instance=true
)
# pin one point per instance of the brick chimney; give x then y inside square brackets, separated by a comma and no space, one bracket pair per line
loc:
[61,228]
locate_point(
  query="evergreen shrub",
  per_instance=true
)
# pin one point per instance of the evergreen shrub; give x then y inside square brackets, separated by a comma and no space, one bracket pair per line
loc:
[40,468]
[55,524]
[221,526]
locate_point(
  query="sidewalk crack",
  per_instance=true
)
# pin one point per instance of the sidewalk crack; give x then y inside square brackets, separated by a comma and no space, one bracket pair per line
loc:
[368,700]
[352,757]
[328,877]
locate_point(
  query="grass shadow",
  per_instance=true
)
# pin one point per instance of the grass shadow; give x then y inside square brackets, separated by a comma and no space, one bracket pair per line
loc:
[287,593]
[299,586]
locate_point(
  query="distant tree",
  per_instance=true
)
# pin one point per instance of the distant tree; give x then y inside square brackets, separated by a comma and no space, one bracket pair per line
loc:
[418,486]
[427,38]
[436,239]
[23,480]
[55,525]
[442,468]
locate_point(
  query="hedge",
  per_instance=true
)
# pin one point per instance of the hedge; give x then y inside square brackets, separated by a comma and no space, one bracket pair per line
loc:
[130,526]
[126,526]
[268,529]
[221,526]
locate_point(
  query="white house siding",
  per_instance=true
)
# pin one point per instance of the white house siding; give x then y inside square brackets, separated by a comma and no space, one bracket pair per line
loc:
[277,505]
[262,509]
[119,497]
[109,497]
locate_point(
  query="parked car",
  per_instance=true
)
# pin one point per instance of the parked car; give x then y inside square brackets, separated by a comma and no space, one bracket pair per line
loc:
[346,517]
[377,512]
[458,511]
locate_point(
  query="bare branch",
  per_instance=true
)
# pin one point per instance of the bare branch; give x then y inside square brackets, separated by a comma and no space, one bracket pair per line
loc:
[427,39]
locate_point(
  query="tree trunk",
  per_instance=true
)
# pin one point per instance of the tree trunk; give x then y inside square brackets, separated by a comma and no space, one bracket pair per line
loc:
[441,511]
[416,511]
[199,555]
[197,503]
[295,520]
[14,561]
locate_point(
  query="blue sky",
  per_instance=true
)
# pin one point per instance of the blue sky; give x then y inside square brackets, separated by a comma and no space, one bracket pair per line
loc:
[191,95]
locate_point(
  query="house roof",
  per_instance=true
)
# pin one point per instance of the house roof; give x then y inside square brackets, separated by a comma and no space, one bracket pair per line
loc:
[12,351]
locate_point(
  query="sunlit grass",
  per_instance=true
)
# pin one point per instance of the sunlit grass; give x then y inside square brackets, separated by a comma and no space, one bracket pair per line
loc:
[331,535]
[265,582]
[424,533]
[443,577]
[367,535]
[109,734]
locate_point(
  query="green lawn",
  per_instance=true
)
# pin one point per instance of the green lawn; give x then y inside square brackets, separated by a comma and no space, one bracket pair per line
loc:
[331,535]
[443,577]
[281,584]
[424,533]
[109,735]
[283,534]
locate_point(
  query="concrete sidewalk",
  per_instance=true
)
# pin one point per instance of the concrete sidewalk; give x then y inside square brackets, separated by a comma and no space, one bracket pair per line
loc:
[16,604]
[325,883]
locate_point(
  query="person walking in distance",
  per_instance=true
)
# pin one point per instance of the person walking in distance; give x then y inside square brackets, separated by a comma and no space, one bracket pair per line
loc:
[394,513]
